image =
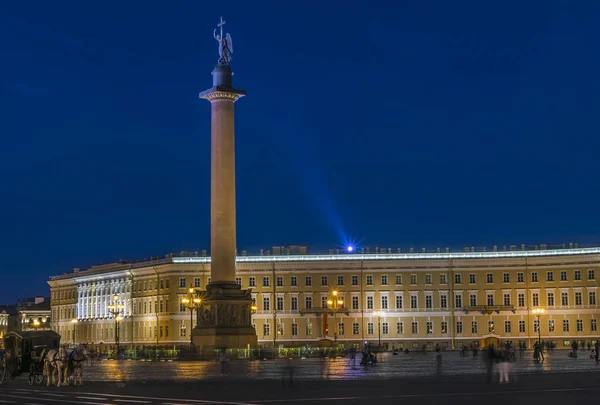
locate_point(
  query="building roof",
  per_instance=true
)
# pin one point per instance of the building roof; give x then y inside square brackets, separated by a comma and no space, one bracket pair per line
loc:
[9,309]
[42,306]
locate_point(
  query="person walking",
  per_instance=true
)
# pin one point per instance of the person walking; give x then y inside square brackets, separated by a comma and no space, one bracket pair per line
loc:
[490,362]
[596,349]
[223,359]
[503,366]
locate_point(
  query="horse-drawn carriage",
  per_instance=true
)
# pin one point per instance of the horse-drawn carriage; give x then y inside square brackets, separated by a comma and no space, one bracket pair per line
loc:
[23,353]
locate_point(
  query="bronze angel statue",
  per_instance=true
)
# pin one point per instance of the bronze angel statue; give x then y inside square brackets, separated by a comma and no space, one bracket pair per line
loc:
[225,45]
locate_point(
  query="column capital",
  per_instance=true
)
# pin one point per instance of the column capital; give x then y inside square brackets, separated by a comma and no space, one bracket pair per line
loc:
[222,93]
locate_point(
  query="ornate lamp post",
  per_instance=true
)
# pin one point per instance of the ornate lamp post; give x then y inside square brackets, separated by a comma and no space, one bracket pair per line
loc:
[378,314]
[335,302]
[192,301]
[74,322]
[538,312]
[115,310]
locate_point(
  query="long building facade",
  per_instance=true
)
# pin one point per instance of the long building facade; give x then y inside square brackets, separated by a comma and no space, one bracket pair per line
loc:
[404,300]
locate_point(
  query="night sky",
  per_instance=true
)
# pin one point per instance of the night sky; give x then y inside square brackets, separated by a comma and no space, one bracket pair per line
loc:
[420,124]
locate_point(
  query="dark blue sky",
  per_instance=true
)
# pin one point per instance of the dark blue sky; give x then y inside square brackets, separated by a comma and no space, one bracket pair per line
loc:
[416,124]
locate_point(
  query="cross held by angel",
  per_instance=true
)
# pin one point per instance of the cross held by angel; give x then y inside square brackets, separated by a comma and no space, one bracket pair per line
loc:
[225,45]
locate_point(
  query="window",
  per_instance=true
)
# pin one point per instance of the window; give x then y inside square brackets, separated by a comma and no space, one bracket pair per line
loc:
[167,284]
[385,328]
[369,280]
[323,280]
[592,297]
[370,328]
[535,299]
[564,299]
[308,281]
[458,301]
[354,280]
[577,275]
[294,281]
[280,329]
[429,327]
[506,300]
[384,302]
[489,278]
[252,282]
[506,278]
[459,327]
[563,276]
[370,302]
[341,329]
[182,331]
[384,279]
[413,302]
[398,279]
[266,281]
[490,299]
[340,280]
[428,301]
[161,332]
[415,328]
[413,279]
[472,278]
[400,328]
[507,327]
[550,325]
[181,307]
[309,329]
[266,303]
[280,303]
[443,301]
[473,300]
[155,307]
[522,326]
[196,282]
[266,329]
[354,302]
[550,299]
[355,329]
[444,327]
[161,306]
[550,276]
[579,325]
[578,298]
[521,299]
[474,327]
[520,277]
[398,302]
[534,277]
[279,281]
[443,279]
[591,275]
[181,283]
[238,280]
[294,329]
[457,279]
[536,325]
[491,327]
[323,302]
[162,284]
[593,326]
[294,303]
[427,278]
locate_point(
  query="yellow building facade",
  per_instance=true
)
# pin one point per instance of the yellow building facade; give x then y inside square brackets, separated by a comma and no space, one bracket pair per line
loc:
[404,300]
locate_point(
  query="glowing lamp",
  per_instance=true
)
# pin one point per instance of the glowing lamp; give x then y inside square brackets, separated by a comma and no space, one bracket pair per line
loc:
[350,249]
[191,290]
[329,302]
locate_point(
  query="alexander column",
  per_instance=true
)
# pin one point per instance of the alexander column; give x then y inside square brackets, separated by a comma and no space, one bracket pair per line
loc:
[224,318]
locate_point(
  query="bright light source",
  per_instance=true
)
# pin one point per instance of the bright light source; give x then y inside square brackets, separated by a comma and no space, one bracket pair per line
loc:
[350,248]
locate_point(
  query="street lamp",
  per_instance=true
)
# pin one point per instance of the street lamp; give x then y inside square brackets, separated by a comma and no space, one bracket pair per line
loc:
[74,322]
[192,301]
[538,312]
[378,314]
[335,303]
[115,310]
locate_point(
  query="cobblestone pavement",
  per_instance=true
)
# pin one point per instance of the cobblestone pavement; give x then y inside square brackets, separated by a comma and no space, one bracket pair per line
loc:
[388,366]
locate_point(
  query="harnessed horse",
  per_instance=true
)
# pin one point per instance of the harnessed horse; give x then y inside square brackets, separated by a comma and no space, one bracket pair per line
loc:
[76,357]
[55,363]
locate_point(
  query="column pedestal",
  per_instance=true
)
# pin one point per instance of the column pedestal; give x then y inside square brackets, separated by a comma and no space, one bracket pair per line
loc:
[224,318]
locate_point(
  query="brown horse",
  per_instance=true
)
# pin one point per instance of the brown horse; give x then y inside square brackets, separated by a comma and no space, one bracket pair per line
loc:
[76,357]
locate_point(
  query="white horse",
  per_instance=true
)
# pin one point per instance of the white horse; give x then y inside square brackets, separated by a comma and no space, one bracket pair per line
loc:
[76,357]
[55,364]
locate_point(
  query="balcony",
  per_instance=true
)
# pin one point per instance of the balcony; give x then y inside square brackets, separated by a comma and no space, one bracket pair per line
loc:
[484,309]
[319,311]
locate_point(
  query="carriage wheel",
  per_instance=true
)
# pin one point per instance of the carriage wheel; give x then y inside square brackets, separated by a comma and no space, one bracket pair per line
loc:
[39,377]
[2,369]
